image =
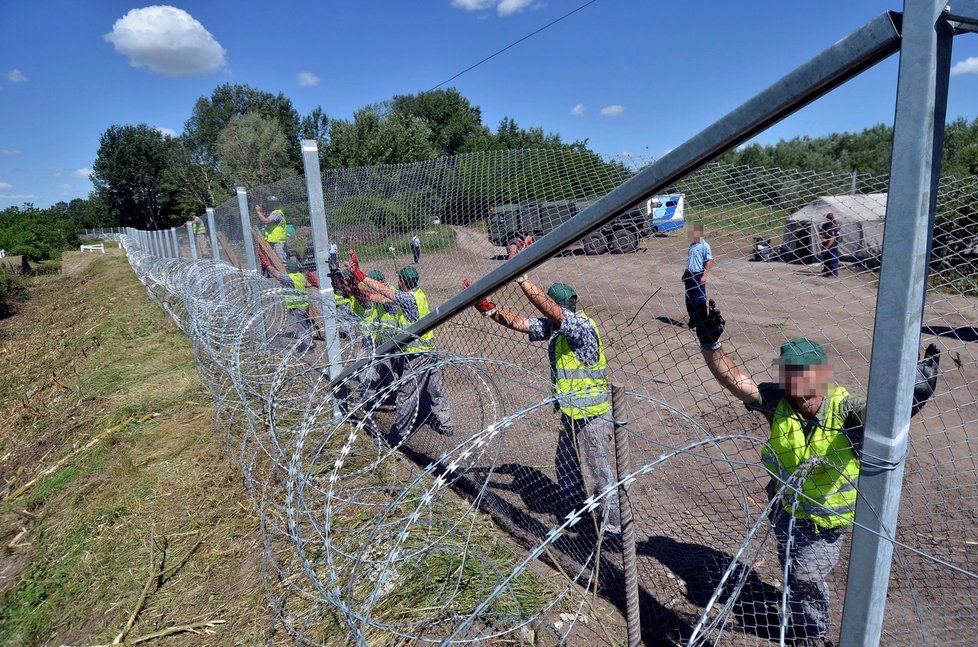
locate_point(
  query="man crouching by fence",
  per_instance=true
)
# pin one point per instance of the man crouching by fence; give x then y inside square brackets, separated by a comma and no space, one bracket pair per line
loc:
[582,395]
[421,395]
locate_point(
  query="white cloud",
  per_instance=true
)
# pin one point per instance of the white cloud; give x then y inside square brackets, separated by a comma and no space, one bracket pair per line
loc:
[6,186]
[18,196]
[613,110]
[473,5]
[16,76]
[509,7]
[9,151]
[503,7]
[166,132]
[308,78]
[54,171]
[166,40]
[967,66]
[577,110]
[626,154]
[81,173]
[65,187]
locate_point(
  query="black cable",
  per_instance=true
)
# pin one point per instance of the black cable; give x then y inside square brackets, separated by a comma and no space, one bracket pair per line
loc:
[513,44]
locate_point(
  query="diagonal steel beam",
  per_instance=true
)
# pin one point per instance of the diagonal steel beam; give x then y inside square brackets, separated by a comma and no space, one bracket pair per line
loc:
[863,48]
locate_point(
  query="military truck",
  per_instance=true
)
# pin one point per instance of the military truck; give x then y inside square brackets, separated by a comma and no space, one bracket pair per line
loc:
[508,223]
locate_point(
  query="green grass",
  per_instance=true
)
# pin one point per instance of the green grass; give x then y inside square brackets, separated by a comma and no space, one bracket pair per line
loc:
[747,218]
[434,239]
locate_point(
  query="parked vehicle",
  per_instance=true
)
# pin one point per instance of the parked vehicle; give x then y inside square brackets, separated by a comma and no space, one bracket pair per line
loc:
[509,224]
[666,212]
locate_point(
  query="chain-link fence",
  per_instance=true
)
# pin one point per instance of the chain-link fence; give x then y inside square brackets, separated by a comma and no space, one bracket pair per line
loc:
[378,527]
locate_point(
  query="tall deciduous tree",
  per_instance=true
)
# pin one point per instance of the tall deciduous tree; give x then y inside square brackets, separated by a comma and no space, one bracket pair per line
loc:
[377,138]
[454,122]
[253,151]
[128,174]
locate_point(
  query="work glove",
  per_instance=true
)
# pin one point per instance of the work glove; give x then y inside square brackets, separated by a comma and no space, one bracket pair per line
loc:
[354,266]
[265,263]
[485,306]
[928,369]
[710,328]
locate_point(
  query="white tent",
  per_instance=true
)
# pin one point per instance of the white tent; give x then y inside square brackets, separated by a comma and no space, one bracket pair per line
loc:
[860,220]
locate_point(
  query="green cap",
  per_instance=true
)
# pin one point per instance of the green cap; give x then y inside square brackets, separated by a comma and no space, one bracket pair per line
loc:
[409,274]
[802,352]
[291,265]
[376,275]
[563,294]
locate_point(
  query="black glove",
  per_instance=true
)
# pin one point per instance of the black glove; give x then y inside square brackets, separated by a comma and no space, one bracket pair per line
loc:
[927,371]
[710,328]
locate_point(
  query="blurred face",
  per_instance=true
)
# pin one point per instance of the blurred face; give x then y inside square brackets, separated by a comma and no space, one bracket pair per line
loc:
[806,386]
[401,285]
[696,234]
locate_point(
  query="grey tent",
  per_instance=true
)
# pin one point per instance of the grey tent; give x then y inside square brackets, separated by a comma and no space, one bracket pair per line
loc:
[860,219]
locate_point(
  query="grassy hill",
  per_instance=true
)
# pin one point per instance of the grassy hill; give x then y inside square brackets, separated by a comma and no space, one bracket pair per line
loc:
[120,511]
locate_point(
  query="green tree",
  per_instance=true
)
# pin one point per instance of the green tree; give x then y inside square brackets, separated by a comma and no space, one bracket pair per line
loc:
[128,174]
[211,115]
[453,121]
[253,151]
[39,234]
[376,137]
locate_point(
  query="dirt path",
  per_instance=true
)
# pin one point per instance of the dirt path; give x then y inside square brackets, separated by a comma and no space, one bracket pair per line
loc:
[692,516]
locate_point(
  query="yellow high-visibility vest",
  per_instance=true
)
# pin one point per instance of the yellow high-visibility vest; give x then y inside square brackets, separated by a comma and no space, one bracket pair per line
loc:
[828,493]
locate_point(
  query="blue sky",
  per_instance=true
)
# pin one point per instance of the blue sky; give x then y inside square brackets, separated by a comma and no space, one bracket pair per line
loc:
[631,76]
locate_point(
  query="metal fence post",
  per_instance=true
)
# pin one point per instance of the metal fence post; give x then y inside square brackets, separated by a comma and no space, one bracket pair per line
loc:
[170,251]
[174,242]
[918,135]
[630,566]
[193,240]
[320,236]
[212,230]
[247,238]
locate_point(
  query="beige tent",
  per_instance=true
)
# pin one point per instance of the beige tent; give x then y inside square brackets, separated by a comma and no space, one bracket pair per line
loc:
[860,219]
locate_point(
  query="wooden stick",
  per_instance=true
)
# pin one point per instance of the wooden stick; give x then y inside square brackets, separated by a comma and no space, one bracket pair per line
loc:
[222,240]
[154,576]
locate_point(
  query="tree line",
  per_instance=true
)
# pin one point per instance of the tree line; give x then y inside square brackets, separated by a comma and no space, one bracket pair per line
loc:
[241,136]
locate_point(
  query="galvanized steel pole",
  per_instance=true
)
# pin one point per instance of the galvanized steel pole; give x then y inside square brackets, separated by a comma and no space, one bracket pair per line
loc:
[175,242]
[193,240]
[248,239]
[320,236]
[918,137]
[212,230]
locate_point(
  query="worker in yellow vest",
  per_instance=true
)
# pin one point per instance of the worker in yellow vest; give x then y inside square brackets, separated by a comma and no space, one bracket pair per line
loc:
[199,229]
[579,374]
[297,304]
[813,458]
[276,229]
[421,394]
[379,326]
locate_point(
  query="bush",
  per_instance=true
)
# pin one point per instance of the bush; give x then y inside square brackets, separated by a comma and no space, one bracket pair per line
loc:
[13,290]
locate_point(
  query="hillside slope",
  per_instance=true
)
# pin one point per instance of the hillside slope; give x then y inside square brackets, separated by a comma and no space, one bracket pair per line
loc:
[119,506]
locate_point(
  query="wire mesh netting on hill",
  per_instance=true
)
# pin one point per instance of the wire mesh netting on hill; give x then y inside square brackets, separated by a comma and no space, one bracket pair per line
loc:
[374,538]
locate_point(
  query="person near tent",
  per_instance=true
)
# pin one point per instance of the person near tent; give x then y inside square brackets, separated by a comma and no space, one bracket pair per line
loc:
[581,391]
[416,248]
[421,395]
[828,235]
[812,455]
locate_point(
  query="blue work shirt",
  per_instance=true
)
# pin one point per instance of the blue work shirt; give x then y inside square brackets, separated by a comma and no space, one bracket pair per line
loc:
[699,254]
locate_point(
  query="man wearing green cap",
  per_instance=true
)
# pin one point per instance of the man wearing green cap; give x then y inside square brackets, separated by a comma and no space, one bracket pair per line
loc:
[579,372]
[421,395]
[297,303]
[812,454]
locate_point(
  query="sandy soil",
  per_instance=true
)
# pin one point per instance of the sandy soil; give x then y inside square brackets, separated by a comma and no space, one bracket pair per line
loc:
[692,512]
